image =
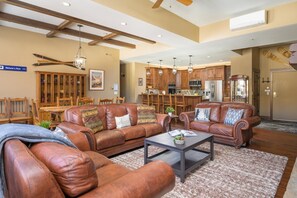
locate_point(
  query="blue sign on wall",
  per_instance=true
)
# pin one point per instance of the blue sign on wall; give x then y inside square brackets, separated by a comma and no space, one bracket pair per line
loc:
[13,68]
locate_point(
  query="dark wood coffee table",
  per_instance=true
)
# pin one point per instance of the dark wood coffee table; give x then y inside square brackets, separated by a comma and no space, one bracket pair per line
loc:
[182,158]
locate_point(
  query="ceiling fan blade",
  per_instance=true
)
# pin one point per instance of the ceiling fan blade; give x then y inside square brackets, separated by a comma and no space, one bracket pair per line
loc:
[186,2]
[157,4]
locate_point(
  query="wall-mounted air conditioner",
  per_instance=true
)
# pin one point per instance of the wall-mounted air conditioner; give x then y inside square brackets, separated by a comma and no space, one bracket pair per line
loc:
[248,20]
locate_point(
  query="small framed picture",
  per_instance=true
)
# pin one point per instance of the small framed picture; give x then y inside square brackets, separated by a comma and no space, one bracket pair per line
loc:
[140,81]
[96,80]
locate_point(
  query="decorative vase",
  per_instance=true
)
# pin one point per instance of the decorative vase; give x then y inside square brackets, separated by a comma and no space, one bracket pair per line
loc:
[170,114]
[179,141]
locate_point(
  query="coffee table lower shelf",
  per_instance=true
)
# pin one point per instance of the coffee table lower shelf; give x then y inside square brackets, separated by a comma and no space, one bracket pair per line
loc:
[193,159]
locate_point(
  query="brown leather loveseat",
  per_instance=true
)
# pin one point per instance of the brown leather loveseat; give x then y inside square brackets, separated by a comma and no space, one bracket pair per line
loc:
[50,169]
[236,135]
[111,140]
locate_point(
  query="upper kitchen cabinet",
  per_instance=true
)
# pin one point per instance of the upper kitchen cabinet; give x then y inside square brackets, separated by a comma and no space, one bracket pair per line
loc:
[215,73]
[195,75]
[184,79]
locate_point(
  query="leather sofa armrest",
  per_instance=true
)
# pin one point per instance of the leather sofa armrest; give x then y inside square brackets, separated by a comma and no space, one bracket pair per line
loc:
[187,117]
[140,183]
[163,119]
[243,128]
[73,130]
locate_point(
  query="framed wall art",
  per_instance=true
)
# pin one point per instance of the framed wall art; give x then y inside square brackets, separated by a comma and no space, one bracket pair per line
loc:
[96,80]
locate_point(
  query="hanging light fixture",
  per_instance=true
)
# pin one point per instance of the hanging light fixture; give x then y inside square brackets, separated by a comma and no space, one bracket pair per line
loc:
[160,69]
[174,70]
[190,68]
[148,71]
[80,60]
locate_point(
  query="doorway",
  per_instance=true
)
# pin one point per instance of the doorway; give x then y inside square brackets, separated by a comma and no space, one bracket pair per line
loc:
[284,95]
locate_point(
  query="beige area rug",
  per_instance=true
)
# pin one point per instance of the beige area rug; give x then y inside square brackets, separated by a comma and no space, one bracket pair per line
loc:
[291,191]
[233,173]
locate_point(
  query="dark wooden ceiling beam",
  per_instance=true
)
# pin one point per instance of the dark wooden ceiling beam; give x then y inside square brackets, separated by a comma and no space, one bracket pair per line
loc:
[63,25]
[74,19]
[50,27]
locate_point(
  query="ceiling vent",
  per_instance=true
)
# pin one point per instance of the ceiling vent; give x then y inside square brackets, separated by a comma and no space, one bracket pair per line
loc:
[249,20]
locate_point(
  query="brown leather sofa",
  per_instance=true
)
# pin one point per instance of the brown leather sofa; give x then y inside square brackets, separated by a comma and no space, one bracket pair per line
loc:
[237,135]
[112,141]
[54,170]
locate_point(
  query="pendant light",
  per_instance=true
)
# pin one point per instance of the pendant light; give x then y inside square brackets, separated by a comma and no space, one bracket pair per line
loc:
[174,70]
[80,60]
[160,69]
[148,71]
[190,68]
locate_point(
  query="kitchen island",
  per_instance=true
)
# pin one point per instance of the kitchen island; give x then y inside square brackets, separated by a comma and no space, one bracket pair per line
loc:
[190,100]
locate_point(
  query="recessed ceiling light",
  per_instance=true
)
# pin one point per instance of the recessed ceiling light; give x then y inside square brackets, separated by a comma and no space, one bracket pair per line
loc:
[123,23]
[208,56]
[221,60]
[67,4]
[159,35]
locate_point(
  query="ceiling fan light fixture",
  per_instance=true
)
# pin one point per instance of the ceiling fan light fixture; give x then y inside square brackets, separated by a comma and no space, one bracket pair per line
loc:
[80,60]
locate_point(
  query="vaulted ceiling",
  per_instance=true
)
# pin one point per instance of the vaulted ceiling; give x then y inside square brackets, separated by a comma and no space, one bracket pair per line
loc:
[144,34]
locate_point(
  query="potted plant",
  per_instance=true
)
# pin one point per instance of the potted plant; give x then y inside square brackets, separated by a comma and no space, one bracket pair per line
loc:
[179,139]
[169,110]
[45,124]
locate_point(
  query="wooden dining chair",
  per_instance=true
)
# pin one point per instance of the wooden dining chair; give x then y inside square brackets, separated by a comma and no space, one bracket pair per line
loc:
[64,101]
[105,101]
[120,100]
[37,118]
[19,110]
[155,101]
[4,118]
[84,101]
[167,102]
[145,98]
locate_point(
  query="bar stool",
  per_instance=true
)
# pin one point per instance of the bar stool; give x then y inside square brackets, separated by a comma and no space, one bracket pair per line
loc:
[145,98]
[155,101]
[179,103]
[167,102]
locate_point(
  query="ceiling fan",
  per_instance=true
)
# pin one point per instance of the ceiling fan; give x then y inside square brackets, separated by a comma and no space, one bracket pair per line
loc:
[185,2]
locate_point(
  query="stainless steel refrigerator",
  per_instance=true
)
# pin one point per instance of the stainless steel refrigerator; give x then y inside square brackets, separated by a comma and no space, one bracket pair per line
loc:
[214,90]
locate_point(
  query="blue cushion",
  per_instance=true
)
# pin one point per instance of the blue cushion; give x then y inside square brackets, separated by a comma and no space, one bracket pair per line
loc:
[202,114]
[232,116]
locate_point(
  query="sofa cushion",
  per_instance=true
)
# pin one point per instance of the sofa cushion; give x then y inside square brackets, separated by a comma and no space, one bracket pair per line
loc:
[91,119]
[232,116]
[200,125]
[215,110]
[123,121]
[133,132]
[98,159]
[249,110]
[152,129]
[146,114]
[112,111]
[132,111]
[221,129]
[202,114]
[109,138]
[73,169]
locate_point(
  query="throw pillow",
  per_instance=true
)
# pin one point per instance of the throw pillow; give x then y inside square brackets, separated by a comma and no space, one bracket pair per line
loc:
[202,114]
[146,114]
[232,116]
[91,120]
[123,121]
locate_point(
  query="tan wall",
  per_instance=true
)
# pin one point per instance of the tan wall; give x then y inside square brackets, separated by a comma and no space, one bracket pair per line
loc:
[158,17]
[18,46]
[272,61]
[277,17]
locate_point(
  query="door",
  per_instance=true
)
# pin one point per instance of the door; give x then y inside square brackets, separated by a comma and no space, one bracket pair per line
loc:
[284,95]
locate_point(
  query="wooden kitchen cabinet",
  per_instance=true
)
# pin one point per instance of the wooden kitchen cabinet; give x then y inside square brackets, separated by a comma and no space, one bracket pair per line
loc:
[184,79]
[50,85]
[215,73]
[195,75]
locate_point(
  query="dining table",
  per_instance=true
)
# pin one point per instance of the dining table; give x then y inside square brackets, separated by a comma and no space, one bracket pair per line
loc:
[57,112]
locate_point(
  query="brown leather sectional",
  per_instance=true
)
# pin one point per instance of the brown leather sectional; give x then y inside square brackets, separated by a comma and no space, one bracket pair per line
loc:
[237,135]
[54,170]
[112,141]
